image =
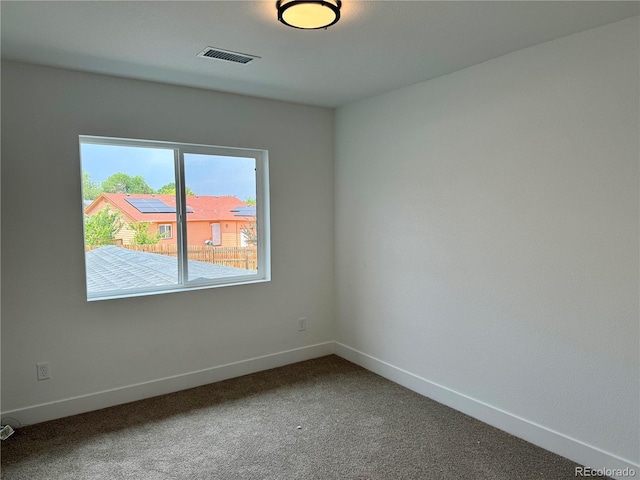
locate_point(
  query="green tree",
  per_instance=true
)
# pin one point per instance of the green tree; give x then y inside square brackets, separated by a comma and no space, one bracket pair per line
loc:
[90,189]
[170,189]
[101,228]
[142,236]
[250,233]
[123,183]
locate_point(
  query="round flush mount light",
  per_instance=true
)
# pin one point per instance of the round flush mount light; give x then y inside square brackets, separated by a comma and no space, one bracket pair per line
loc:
[308,14]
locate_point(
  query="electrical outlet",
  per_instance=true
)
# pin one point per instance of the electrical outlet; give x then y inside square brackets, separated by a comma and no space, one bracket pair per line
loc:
[302,324]
[43,370]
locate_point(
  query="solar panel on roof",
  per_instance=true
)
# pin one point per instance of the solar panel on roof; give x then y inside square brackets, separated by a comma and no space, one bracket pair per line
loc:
[153,205]
[150,205]
[249,211]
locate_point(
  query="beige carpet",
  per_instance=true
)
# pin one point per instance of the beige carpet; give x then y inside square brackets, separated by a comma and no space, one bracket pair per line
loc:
[321,419]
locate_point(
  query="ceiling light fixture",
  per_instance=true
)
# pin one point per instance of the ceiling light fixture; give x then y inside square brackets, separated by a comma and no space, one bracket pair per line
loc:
[308,14]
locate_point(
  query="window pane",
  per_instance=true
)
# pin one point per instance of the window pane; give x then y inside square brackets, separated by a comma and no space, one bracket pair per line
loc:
[129,206]
[221,216]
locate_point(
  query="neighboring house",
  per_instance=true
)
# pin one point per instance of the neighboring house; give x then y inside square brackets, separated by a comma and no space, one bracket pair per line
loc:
[215,220]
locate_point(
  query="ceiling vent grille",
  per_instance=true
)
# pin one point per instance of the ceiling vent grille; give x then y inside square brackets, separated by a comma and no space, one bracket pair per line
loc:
[227,55]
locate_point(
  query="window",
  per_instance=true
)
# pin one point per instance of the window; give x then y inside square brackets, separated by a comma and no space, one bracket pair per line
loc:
[162,217]
[216,236]
[165,231]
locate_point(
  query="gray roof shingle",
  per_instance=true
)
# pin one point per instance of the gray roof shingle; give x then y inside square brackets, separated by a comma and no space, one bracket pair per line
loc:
[111,268]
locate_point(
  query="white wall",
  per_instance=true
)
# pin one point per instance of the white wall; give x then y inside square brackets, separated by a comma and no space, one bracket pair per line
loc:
[101,346]
[487,240]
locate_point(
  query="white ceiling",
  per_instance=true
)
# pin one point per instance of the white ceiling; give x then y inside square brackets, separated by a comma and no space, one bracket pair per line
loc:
[376,47]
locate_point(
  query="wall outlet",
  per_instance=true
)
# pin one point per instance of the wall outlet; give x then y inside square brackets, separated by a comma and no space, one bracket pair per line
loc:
[302,324]
[43,370]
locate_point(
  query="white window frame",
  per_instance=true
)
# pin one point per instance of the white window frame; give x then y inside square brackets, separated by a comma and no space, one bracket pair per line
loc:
[261,158]
[167,226]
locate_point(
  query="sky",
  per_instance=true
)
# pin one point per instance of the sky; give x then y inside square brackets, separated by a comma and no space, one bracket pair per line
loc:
[204,174]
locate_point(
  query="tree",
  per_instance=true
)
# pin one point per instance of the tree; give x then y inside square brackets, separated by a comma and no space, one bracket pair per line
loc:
[170,189]
[123,183]
[90,189]
[142,236]
[102,227]
[250,233]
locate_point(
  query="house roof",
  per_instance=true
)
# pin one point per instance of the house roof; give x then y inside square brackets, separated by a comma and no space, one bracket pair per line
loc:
[111,268]
[204,208]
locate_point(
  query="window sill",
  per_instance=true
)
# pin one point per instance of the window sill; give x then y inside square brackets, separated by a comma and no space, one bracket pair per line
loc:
[172,289]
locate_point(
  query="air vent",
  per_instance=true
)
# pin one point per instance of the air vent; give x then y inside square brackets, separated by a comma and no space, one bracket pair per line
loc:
[227,56]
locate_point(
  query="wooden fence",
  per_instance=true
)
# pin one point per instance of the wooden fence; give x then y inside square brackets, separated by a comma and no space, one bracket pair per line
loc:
[238,257]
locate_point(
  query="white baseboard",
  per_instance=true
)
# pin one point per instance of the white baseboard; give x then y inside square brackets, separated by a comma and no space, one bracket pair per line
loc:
[548,439]
[130,393]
